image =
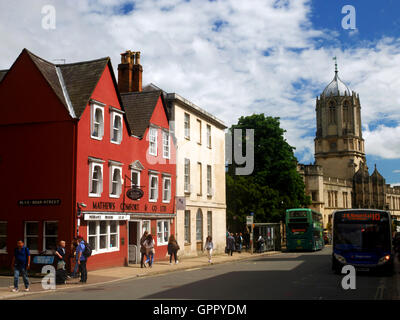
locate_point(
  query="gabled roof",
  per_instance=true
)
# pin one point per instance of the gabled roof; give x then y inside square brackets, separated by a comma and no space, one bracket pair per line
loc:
[73,83]
[81,79]
[139,107]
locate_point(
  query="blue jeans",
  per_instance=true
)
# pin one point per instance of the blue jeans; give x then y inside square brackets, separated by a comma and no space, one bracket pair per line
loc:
[20,271]
[150,259]
[75,268]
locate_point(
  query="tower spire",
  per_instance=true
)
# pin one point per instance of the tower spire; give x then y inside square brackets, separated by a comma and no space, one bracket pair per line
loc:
[336,70]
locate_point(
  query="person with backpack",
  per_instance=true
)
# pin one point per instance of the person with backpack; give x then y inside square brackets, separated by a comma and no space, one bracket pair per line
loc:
[209,246]
[83,251]
[61,273]
[21,262]
[173,248]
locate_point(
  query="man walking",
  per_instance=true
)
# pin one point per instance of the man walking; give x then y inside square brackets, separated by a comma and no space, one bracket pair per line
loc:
[230,244]
[81,259]
[21,263]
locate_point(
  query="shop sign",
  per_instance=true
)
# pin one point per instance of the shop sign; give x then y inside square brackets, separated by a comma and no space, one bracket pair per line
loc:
[104,217]
[39,202]
[134,193]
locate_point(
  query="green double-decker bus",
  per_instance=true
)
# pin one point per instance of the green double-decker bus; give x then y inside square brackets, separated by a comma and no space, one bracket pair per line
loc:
[304,230]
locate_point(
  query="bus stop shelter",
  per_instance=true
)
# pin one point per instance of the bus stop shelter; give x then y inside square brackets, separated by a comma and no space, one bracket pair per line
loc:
[271,233]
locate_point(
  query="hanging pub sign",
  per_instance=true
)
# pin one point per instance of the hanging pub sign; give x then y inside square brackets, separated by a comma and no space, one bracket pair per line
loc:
[134,193]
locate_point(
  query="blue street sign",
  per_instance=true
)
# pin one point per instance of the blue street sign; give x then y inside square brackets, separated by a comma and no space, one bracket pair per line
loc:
[43,259]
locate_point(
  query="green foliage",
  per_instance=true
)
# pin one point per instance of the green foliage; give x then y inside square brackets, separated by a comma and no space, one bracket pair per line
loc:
[274,185]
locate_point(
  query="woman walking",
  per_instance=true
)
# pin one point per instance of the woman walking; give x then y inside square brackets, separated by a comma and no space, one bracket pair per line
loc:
[143,248]
[209,246]
[149,245]
[173,248]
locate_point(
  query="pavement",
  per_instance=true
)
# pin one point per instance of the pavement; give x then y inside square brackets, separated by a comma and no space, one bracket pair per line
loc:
[274,276]
[110,275]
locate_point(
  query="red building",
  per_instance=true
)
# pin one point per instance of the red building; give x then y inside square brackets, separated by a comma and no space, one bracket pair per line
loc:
[70,145]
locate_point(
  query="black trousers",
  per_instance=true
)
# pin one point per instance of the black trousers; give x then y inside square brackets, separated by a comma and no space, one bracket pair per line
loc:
[83,270]
[173,253]
[230,251]
[142,254]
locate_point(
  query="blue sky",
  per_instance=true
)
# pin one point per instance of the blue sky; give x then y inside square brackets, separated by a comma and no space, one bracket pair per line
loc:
[235,58]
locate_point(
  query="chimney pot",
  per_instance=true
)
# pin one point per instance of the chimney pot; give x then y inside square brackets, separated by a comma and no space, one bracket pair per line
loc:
[130,72]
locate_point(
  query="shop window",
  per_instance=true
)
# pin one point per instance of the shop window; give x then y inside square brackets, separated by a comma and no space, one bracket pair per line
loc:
[146,226]
[50,234]
[116,128]
[162,232]
[103,236]
[31,237]
[166,189]
[97,123]
[3,237]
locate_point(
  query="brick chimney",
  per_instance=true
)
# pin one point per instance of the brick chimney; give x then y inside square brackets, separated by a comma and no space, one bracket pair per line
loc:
[130,72]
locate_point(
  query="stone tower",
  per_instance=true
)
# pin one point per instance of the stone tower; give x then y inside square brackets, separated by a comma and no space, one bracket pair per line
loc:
[339,146]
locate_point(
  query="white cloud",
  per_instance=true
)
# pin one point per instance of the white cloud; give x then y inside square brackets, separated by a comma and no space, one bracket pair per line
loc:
[383,142]
[248,66]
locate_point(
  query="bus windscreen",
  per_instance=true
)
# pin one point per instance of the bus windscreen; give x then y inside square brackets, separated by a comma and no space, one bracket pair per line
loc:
[362,231]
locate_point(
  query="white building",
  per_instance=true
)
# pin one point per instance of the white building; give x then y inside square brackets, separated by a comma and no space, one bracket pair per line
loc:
[200,156]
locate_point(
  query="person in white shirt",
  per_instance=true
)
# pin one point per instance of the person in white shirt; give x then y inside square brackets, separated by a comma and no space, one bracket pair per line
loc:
[209,246]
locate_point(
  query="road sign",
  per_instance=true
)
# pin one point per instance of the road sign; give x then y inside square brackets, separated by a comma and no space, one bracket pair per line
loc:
[249,220]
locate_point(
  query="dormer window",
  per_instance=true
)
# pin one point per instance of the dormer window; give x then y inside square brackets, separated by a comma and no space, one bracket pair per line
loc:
[116,128]
[97,121]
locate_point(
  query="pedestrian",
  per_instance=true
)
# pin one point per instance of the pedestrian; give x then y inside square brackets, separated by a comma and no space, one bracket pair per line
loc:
[230,244]
[173,248]
[81,259]
[143,248]
[209,246]
[61,273]
[240,242]
[149,245]
[21,262]
[60,255]
[74,245]
[260,243]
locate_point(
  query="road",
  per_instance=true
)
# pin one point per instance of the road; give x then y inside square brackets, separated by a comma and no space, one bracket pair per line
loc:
[281,276]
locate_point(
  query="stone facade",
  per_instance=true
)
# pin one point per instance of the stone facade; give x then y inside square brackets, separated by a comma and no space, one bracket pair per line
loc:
[339,178]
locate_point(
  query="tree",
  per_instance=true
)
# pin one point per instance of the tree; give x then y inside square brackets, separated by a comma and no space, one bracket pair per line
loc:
[274,185]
